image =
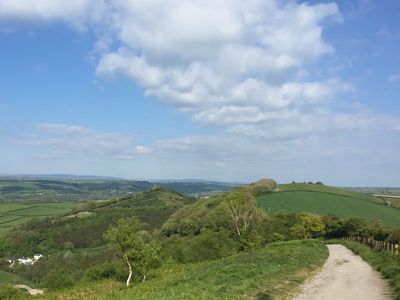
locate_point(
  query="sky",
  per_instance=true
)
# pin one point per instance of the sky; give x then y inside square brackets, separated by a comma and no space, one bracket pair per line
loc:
[228,90]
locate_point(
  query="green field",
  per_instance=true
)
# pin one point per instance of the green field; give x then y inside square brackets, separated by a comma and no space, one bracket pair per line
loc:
[12,214]
[9,278]
[322,199]
[275,271]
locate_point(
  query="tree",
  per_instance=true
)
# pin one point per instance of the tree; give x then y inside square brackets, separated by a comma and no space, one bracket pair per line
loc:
[307,226]
[131,244]
[245,217]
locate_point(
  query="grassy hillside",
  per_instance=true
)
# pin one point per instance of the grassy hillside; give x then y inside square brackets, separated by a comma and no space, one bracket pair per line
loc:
[328,200]
[276,270]
[84,226]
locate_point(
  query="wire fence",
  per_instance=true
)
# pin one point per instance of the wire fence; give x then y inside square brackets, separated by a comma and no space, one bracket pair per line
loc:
[377,245]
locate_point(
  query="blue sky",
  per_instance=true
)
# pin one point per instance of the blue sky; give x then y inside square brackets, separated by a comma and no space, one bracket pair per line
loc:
[222,90]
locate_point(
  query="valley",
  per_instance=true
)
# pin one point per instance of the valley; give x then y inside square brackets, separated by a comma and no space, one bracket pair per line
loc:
[254,241]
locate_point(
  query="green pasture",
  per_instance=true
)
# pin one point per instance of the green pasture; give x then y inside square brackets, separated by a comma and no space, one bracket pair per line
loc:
[12,214]
[8,207]
[328,200]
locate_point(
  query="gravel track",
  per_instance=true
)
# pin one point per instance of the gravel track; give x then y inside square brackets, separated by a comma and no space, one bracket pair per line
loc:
[345,276]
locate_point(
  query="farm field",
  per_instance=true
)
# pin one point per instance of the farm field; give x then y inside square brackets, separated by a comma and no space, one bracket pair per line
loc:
[12,214]
[321,199]
[328,190]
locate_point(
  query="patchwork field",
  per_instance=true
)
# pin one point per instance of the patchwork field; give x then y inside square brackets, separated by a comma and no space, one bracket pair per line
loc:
[12,214]
[328,200]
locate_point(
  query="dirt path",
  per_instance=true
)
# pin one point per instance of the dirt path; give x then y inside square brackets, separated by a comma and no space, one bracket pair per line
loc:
[345,276]
[30,290]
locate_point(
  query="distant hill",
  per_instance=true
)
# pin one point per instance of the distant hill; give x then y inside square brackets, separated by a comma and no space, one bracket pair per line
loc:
[321,199]
[14,189]
[58,177]
[39,189]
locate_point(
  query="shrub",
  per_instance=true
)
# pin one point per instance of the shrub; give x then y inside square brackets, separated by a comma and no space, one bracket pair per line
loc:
[208,245]
[102,271]
[57,279]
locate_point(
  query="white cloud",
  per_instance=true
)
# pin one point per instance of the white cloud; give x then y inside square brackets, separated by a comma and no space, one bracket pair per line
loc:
[77,12]
[394,78]
[135,67]
[141,150]
[70,141]
[231,115]
[194,54]
[229,62]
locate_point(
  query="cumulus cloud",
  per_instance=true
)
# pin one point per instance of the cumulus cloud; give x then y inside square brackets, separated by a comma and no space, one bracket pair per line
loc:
[229,62]
[71,141]
[241,65]
[193,54]
[234,64]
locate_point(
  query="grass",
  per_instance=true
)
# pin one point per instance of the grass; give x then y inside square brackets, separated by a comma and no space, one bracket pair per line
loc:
[328,200]
[9,278]
[387,264]
[275,271]
[12,214]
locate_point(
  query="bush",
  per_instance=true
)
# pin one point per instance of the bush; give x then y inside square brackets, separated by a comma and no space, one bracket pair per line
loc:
[103,271]
[57,279]
[208,245]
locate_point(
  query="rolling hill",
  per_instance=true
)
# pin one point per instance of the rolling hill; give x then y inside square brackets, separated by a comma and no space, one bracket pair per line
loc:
[321,199]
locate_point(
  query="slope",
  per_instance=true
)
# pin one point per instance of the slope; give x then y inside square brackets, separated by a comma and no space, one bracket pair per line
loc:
[274,271]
